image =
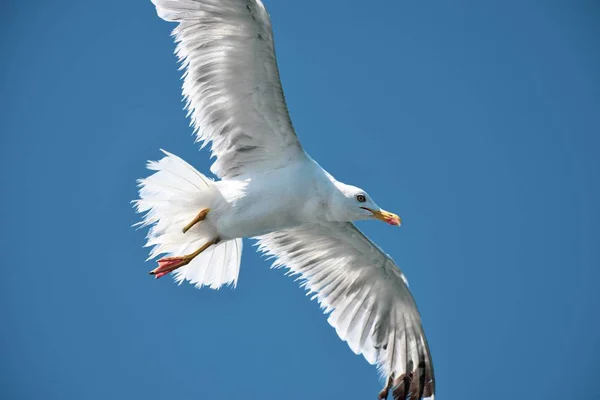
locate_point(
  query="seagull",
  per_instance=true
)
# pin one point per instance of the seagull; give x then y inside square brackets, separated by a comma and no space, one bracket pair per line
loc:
[270,189]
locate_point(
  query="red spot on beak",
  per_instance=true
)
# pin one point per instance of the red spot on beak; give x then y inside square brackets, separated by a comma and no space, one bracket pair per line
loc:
[393,221]
[385,216]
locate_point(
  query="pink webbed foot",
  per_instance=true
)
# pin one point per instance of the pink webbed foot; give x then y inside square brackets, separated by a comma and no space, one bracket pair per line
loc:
[169,264]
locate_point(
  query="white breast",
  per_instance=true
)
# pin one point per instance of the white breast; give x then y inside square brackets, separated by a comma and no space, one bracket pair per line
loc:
[270,201]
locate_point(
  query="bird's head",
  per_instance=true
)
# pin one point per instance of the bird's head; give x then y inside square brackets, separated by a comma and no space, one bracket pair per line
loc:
[358,205]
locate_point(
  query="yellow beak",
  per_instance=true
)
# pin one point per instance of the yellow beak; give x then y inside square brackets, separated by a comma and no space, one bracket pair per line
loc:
[386,216]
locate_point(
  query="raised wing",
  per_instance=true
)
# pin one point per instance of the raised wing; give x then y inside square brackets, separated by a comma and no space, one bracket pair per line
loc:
[231,83]
[367,295]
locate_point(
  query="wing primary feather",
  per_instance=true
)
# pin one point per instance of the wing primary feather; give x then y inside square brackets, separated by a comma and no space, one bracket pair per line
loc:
[366,295]
[231,84]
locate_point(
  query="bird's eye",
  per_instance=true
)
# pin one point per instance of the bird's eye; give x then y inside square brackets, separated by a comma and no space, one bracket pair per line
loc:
[361,198]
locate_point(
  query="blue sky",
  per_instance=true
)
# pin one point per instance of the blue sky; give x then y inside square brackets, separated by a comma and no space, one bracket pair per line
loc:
[476,121]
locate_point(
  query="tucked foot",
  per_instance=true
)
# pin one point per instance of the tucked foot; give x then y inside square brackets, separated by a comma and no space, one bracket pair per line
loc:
[200,217]
[170,264]
[384,392]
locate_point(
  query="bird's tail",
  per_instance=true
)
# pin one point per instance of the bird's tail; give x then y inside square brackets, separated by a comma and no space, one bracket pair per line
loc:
[170,198]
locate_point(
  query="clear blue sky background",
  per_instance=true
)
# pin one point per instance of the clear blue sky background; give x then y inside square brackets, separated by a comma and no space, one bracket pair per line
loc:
[477,121]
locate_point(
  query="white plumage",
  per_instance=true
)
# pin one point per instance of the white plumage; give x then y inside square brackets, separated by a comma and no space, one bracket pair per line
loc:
[272,190]
[231,83]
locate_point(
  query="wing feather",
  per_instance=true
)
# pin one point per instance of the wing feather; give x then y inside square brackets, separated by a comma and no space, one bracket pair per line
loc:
[231,83]
[370,305]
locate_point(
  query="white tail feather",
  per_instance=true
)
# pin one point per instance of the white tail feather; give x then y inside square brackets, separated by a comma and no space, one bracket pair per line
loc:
[170,198]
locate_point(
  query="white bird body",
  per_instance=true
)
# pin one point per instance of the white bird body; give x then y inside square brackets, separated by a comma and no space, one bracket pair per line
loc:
[251,205]
[271,190]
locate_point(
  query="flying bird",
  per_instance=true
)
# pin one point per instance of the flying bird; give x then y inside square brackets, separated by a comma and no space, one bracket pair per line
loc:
[270,189]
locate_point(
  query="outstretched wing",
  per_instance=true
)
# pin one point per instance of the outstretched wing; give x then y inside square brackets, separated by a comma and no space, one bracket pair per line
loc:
[231,83]
[367,295]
